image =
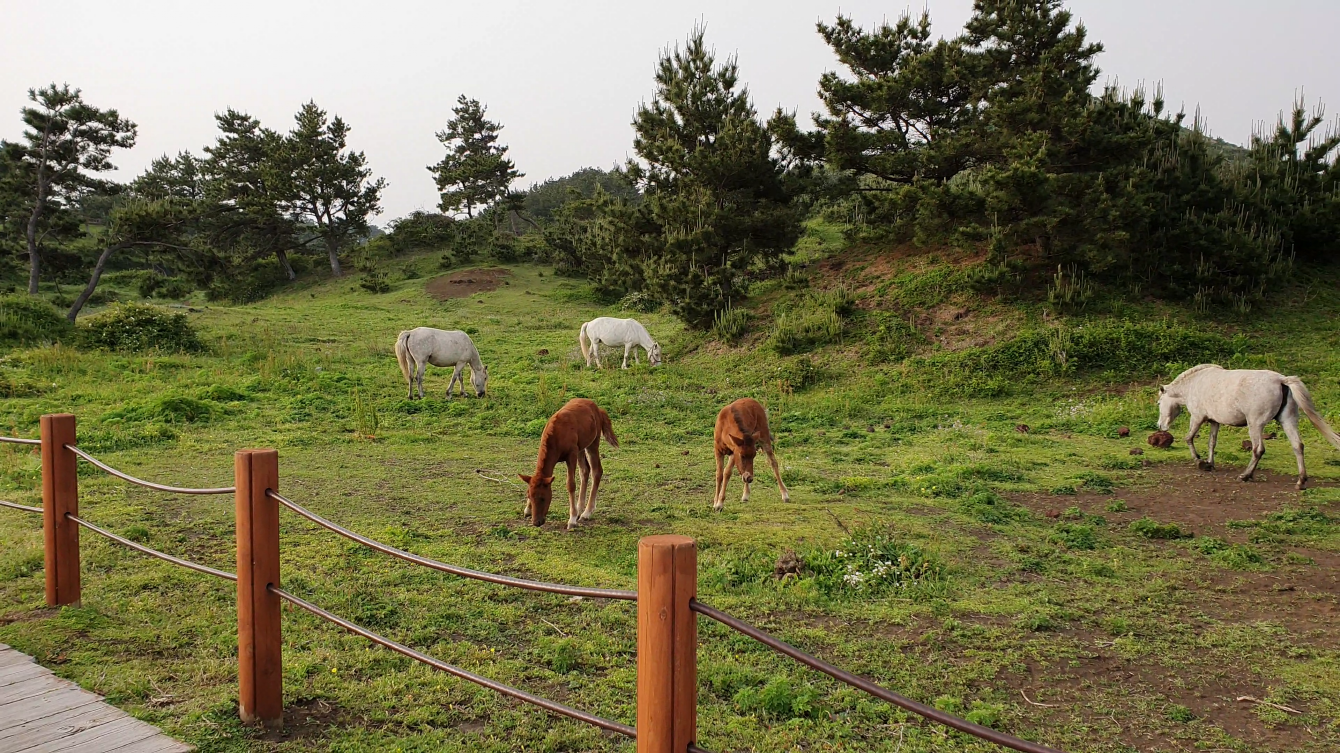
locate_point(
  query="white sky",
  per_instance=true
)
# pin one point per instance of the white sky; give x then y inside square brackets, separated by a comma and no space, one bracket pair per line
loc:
[564,78]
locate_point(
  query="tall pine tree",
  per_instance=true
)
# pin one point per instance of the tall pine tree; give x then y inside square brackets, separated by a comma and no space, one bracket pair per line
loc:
[476,172]
[715,202]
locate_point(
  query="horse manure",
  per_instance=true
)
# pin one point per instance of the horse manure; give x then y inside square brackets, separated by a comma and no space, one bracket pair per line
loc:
[684,452]
[542,352]
[1124,432]
[1022,428]
[1137,451]
[1160,439]
[1247,445]
[870,429]
[787,565]
[1271,435]
[657,465]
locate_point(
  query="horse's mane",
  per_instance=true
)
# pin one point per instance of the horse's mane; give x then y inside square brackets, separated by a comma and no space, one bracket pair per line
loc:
[1195,370]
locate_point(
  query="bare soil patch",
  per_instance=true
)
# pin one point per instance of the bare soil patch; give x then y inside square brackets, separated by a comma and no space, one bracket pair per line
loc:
[466,282]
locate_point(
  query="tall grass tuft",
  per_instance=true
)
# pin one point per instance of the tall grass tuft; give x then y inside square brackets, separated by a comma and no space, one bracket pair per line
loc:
[730,325]
[25,320]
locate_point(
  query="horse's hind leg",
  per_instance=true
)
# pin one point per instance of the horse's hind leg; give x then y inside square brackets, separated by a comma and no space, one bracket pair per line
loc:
[1288,419]
[777,471]
[584,467]
[597,472]
[1196,421]
[421,367]
[1214,439]
[1258,449]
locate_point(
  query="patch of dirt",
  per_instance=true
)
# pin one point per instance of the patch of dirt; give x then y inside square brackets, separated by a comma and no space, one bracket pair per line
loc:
[467,282]
[310,719]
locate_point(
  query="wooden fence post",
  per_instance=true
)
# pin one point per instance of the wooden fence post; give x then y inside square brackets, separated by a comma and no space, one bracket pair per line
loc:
[260,680]
[60,495]
[667,644]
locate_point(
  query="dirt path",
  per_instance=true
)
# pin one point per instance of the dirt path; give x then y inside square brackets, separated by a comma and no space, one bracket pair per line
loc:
[467,282]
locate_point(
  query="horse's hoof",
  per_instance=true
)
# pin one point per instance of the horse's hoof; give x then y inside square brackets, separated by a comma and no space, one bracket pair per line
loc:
[585,517]
[786,497]
[1245,477]
[1205,465]
[572,525]
[716,506]
[1301,485]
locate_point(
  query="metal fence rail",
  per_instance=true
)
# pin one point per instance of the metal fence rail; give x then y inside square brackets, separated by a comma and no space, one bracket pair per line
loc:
[507,690]
[20,440]
[860,683]
[147,484]
[502,580]
[17,506]
[206,569]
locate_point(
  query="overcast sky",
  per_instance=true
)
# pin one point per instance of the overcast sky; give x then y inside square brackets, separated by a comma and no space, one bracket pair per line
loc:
[564,78]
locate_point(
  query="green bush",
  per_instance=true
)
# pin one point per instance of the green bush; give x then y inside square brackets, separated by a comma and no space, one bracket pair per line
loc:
[25,320]
[779,699]
[137,327]
[815,320]
[871,561]
[1075,536]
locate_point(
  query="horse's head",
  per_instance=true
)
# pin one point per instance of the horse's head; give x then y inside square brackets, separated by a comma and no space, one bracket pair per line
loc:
[539,493]
[1170,405]
[480,379]
[654,355]
[745,450]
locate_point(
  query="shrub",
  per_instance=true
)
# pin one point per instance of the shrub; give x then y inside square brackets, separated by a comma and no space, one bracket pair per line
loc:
[138,327]
[730,325]
[1152,529]
[25,320]
[813,321]
[1075,536]
[375,281]
[1235,556]
[639,301]
[779,699]
[799,374]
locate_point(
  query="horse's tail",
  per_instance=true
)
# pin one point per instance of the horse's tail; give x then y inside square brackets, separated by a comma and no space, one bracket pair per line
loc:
[607,428]
[584,341]
[1304,400]
[402,353]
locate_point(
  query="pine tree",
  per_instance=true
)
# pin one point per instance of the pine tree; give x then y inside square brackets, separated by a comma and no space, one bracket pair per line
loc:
[715,202]
[65,142]
[475,172]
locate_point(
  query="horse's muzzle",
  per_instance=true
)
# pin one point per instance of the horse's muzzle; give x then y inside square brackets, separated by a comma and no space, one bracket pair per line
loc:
[479,394]
[748,477]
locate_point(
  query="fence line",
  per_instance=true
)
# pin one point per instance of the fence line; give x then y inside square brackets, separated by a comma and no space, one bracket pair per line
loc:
[502,580]
[667,609]
[148,484]
[24,508]
[534,700]
[206,569]
[860,683]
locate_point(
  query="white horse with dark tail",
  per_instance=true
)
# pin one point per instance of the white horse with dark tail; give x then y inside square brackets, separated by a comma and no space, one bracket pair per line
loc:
[607,330]
[418,347]
[1241,397]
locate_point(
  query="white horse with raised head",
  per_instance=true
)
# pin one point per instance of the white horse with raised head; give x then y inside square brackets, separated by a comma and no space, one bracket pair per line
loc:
[607,330]
[418,347]
[1241,397]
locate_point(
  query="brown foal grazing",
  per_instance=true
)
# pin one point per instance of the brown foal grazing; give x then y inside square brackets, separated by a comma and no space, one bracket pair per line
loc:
[742,428]
[572,435]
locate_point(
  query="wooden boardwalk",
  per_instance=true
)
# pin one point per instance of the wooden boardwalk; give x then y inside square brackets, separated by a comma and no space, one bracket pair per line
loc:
[41,713]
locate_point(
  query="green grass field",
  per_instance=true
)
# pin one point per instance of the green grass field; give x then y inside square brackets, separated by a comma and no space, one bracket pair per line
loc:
[1075,629]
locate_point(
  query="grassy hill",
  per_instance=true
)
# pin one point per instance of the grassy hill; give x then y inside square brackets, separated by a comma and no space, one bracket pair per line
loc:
[1027,586]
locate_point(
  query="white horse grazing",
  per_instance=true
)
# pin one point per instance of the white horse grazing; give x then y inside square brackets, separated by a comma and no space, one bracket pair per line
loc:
[1241,397]
[610,331]
[418,347]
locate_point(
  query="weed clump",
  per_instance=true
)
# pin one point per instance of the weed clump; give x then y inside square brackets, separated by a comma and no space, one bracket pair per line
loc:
[138,327]
[779,699]
[989,507]
[1233,556]
[1152,529]
[872,561]
[811,322]
[730,325]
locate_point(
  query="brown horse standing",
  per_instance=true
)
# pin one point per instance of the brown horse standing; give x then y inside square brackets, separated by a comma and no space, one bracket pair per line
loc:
[742,427]
[572,435]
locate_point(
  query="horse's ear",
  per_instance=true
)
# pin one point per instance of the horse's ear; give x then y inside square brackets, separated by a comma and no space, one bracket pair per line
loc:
[1162,389]
[523,477]
[547,480]
[737,439]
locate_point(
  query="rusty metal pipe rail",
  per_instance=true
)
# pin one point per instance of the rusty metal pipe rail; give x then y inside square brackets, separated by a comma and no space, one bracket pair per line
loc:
[20,440]
[502,580]
[860,683]
[206,569]
[17,506]
[147,484]
[507,690]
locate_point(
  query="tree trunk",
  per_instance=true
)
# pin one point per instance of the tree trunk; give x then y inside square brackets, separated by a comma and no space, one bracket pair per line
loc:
[333,248]
[92,281]
[34,261]
[282,255]
[511,219]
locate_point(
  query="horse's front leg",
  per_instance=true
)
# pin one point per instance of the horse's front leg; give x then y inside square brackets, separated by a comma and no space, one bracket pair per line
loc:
[1196,421]
[572,492]
[720,501]
[584,466]
[777,471]
[1214,439]
[1258,449]
[626,347]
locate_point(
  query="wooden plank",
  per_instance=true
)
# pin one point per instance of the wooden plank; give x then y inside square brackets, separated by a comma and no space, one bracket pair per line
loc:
[14,714]
[157,744]
[10,657]
[103,737]
[21,673]
[31,687]
[58,726]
